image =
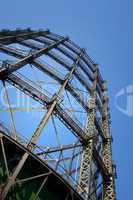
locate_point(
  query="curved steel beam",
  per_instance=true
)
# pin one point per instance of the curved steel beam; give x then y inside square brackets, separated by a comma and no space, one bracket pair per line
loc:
[29,58]
[61,61]
[69,55]
[76,49]
[45,69]
[23,35]
[12,36]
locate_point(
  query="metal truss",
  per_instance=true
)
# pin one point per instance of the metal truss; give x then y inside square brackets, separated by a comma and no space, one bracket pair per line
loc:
[86,164]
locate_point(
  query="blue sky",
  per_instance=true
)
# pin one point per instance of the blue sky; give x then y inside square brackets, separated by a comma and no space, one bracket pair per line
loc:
[105,29]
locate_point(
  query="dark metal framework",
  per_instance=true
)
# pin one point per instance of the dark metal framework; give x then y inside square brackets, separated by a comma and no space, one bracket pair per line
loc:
[90,173]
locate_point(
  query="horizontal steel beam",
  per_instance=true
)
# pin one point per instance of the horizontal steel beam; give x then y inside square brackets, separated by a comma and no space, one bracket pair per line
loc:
[63,158]
[59,148]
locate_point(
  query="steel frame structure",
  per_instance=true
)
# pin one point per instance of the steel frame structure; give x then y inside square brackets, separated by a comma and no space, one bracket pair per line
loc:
[96,172]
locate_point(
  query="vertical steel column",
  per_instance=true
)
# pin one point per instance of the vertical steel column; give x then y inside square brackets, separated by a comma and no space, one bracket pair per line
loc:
[108,183]
[30,146]
[85,171]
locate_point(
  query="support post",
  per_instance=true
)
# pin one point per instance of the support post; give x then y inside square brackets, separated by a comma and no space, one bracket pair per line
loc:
[85,171]
[108,183]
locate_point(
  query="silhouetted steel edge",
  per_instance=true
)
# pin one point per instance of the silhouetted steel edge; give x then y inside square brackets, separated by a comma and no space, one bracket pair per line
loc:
[42,163]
